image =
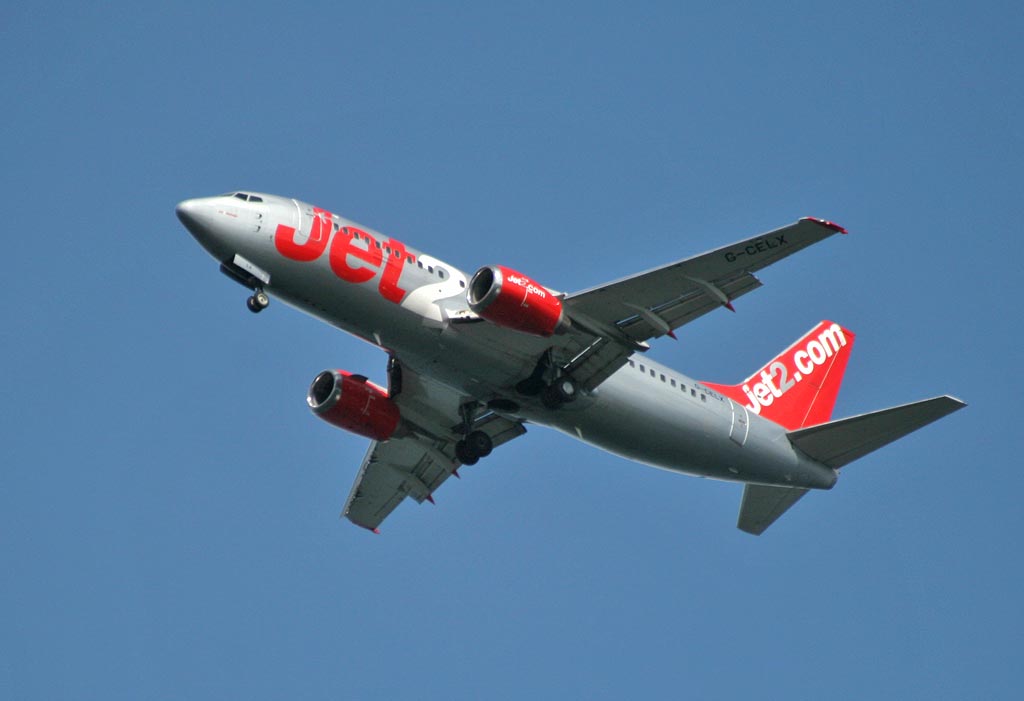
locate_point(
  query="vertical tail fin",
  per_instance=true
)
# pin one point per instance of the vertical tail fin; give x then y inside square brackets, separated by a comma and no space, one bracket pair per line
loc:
[799,387]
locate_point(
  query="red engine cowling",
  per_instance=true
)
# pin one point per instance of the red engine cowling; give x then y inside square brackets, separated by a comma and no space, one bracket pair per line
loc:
[353,403]
[512,300]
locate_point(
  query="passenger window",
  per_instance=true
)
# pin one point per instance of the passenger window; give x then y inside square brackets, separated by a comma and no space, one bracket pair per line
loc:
[419,263]
[662,378]
[430,269]
[652,372]
[632,364]
[693,393]
[462,283]
[703,398]
[673,383]
[642,369]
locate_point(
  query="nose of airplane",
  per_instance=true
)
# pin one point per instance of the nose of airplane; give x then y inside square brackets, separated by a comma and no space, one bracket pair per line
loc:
[200,218]
[191,213]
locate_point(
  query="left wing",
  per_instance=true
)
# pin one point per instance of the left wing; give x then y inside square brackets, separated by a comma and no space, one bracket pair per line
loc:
[622,315]
[417,464]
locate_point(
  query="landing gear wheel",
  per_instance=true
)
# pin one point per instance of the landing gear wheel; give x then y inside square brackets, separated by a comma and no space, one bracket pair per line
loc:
[566,388]
[464,454]
[258,302]
[563,391]
[479,444]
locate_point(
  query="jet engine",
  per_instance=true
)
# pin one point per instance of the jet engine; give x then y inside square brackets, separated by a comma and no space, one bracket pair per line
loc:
[353,403]
[514,301]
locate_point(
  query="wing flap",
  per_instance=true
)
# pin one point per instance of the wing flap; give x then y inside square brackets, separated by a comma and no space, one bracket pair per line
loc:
[391,471]
[689,306]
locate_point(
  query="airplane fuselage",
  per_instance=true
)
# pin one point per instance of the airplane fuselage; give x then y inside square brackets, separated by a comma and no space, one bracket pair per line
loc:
[409,303]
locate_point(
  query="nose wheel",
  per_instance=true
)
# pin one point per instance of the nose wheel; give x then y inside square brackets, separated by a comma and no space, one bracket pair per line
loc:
[258,301]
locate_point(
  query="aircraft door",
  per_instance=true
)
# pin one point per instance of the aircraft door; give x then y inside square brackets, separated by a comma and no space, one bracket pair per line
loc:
[311,224]
[740,423]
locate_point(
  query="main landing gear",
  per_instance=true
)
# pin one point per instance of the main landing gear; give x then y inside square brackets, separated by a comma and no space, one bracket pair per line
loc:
[258,301]
[474,446]
[550,382]
[561,391]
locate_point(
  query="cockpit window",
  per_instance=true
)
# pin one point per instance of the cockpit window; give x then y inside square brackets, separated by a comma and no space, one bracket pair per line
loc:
[245,197]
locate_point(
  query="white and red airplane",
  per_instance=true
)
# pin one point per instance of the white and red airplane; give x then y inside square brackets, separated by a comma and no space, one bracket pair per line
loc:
[472,360]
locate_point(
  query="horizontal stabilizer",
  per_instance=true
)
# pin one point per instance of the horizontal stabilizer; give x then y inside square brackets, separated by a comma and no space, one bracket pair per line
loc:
[837,443]
[762,505]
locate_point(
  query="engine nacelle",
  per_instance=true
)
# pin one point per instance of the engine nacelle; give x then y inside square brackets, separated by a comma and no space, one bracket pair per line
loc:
[514,301]
[353,403]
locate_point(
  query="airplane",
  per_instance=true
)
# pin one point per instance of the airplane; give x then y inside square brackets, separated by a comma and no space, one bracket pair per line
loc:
[473,359]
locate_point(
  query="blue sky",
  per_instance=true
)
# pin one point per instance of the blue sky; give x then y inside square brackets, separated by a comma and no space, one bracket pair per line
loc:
[169,508]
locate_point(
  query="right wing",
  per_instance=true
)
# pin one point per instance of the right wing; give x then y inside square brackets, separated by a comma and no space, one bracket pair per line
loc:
[624,314]
[417,464]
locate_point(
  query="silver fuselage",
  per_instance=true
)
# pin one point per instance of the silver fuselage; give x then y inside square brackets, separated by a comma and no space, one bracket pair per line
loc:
[644,412]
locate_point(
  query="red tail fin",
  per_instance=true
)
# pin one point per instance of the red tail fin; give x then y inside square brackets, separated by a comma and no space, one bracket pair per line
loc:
[800,386]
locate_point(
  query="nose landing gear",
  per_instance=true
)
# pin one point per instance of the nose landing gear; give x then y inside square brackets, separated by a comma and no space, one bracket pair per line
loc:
[258,301]
[248,276]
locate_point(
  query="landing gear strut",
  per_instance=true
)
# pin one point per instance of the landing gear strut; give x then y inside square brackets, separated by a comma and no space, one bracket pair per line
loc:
[550,382]
[475,444]
[258,301]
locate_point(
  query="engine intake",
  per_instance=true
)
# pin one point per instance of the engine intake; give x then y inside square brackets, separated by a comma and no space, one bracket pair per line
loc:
[353,403]
[514,301]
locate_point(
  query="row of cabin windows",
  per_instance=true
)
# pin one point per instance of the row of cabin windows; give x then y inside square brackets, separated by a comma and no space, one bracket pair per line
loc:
[671,380]
[440,272]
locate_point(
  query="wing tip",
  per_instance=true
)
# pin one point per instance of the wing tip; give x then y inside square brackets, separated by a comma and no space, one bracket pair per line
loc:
[752,530]
[827,224]
[371,529]
[960,403]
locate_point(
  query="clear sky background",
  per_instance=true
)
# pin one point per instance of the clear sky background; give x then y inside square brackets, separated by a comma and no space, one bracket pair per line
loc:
[169,508]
